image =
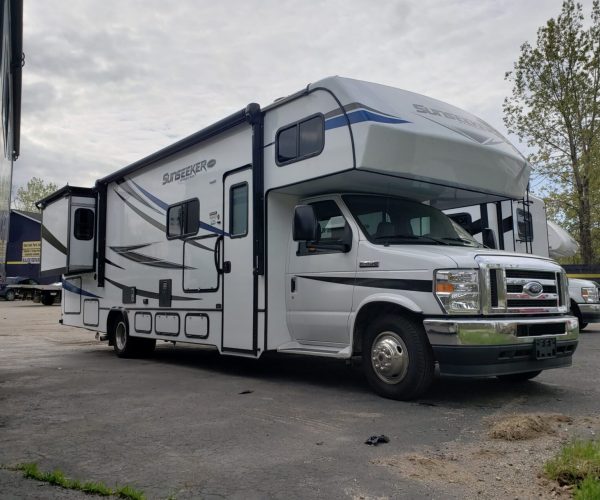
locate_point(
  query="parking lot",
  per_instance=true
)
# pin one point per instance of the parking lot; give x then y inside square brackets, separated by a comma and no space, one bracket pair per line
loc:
[188,423]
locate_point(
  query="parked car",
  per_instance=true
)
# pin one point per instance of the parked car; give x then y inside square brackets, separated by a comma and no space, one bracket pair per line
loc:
[9,293]
[585,303]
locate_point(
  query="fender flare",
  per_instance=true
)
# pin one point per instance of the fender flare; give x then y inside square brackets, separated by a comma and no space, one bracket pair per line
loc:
[399,300]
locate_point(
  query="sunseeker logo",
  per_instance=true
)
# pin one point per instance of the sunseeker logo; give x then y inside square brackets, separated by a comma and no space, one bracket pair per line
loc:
[477,123]
[186,173]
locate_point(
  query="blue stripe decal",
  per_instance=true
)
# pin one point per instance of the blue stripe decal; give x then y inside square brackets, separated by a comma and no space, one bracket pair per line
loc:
[212,229]
[361,115]
[72,288]
[164,206]
[150,196]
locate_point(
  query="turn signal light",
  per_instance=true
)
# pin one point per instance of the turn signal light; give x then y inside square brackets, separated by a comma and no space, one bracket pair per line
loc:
[444,287]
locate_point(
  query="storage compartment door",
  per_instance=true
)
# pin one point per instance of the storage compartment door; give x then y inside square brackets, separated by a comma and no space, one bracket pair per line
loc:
[82,234]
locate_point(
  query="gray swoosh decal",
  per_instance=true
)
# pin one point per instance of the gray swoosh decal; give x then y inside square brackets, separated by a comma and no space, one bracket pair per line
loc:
[50,238]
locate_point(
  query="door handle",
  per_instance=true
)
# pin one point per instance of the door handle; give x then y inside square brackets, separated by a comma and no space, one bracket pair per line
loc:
[293,284]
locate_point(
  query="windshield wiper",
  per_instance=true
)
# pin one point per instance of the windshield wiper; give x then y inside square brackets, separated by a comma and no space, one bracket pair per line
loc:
[410,237]
[462,240]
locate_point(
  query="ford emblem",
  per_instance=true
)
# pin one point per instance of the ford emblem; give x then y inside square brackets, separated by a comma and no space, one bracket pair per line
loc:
[533,288]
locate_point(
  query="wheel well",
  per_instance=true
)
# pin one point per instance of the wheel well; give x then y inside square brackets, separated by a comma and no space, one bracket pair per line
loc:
[111,322]
[575,307]
[371,311]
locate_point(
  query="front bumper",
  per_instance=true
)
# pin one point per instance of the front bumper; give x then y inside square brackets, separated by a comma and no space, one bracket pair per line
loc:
[499,331]
[590,313]
[499,346]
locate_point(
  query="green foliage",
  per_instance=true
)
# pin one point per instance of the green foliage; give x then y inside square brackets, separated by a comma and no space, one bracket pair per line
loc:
[575,462]
[36,189]
[555,108]
[57,477]
[130,493]
[589,489]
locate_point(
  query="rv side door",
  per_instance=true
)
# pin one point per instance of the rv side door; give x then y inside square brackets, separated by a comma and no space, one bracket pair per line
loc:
[82,234]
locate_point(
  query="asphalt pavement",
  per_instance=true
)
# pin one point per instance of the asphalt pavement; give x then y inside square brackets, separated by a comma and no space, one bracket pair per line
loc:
[188,423]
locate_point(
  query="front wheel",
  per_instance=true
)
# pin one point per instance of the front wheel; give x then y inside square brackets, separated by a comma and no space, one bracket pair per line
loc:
[126,346]
[47,299]
[10,295]
[397,358]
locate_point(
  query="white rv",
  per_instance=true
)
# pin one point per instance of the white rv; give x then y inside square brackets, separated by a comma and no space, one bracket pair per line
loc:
[313,226]
[522,226]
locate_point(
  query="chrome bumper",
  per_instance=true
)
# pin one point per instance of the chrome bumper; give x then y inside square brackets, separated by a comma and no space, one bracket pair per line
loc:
[490,332]
[590,313]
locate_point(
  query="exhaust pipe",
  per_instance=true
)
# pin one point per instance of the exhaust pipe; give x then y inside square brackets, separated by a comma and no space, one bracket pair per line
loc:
[101,336]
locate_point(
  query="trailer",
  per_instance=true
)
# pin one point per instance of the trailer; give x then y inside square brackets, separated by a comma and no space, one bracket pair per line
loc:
[522,225]
[313,226]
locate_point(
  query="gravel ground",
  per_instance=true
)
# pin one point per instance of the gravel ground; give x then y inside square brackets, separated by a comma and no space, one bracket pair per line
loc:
[190,424]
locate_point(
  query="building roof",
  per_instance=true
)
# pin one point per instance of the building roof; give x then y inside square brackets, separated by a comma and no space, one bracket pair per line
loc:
[34,216]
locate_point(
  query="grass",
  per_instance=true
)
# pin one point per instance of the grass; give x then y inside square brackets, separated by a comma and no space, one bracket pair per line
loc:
[578,464]
[58,478]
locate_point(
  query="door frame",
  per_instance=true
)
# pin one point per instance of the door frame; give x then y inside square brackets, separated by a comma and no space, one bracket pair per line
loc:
[251,218]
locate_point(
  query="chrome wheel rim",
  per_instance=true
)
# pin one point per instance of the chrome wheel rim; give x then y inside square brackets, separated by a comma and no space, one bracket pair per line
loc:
[389,357]
[121,335]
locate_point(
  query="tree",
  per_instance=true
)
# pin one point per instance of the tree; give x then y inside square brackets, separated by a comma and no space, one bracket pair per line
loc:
[35,190]
[555,108]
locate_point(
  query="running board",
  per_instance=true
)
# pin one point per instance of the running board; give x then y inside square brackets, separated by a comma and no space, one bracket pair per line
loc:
[316,350]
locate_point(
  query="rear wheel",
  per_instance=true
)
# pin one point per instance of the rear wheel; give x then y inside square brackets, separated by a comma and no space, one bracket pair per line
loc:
[126,346]
[519,377]
[47,299]
[397,358]
[10,295]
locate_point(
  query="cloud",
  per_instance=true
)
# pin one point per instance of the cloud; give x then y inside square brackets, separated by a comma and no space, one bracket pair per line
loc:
[106,83]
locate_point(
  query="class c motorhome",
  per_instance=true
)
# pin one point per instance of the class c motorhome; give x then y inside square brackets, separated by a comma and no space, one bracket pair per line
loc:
[313,226]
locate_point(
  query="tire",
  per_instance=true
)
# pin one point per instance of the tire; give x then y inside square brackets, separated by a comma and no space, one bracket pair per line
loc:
[397,358]
[519,377]
[126,346]
[577,312]
[47,299]
[10,295]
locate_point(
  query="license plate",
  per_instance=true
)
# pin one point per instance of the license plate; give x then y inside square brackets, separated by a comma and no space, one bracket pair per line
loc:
[545,348]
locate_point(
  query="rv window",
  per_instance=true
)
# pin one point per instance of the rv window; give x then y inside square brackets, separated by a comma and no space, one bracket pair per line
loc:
[287,144]
[300,140]
[524,224]
[238,210]
[183,219]
[83,227]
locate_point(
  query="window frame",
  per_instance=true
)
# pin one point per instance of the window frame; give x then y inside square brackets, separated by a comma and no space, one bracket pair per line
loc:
[297,125]
[528,221]
[231,188]
[75,225]
[182,235]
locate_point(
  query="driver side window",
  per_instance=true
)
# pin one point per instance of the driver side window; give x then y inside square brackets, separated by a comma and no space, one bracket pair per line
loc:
[332,227]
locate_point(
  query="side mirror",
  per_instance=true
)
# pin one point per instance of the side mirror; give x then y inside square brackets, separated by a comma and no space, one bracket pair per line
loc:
[305,224]
[489,237]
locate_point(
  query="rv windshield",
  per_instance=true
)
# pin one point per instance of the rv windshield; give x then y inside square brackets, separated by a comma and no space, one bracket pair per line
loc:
[396,221]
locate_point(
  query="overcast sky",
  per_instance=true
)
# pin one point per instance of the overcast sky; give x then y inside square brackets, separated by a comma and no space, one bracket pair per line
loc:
[107,82]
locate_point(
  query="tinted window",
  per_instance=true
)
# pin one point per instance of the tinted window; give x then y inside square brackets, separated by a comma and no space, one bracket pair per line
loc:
[311,136]
[332,228]
[238,210]
[287,144]
[301,140]
[84,224]
[183,219]
[524,225]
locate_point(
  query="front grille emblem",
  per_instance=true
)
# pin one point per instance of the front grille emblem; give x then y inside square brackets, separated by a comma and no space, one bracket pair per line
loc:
[533,288]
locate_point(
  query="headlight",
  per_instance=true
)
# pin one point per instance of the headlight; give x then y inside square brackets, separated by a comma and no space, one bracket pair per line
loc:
[458,290]
[589,294]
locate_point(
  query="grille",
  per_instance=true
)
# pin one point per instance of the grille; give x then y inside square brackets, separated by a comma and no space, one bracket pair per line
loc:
[512,291]
[541,329]
[531,275]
